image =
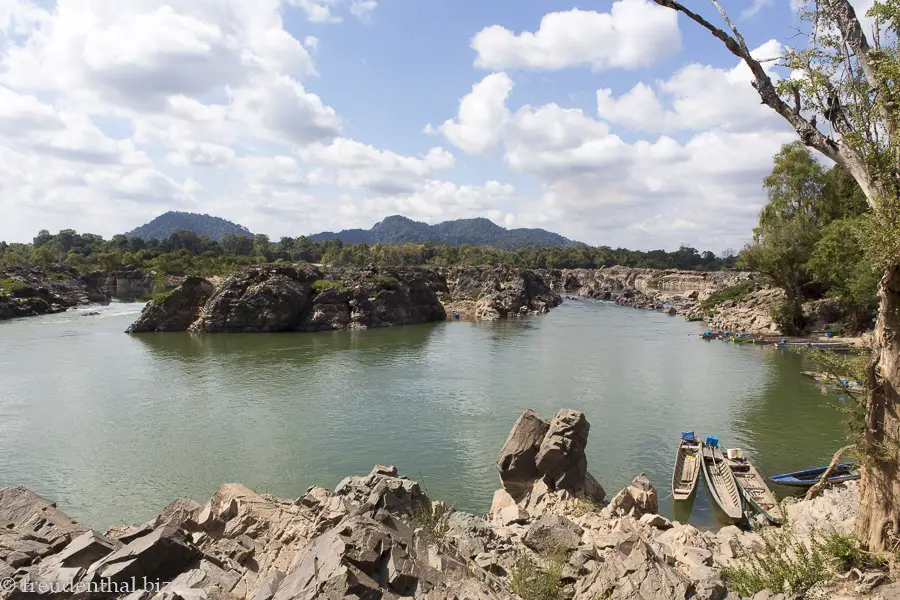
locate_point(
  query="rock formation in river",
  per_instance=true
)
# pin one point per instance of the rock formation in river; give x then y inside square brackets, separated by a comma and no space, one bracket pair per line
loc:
[278,298]
[30,291]
[502,292]
[380,536]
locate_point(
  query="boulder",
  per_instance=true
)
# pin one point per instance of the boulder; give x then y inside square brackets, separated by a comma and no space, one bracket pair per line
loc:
[158,556]
[516,462]
[636,499]
[552,533]
[177,311]
[561,455]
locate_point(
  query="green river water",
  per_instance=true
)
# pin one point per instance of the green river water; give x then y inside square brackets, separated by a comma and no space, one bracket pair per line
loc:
[113,426]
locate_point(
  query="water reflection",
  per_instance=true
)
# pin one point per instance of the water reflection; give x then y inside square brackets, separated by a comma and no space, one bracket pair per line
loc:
[114,426]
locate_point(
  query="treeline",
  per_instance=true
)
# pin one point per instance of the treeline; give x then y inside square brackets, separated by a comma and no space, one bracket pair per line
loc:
[811,239]
[184,253]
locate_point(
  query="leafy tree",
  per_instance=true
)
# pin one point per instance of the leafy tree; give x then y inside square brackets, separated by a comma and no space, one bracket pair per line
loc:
[794,188]
[839,261]
[847,82]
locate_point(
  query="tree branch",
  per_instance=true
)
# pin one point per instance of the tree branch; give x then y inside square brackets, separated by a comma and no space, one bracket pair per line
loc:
[823,481]
[763,83]
[844,16]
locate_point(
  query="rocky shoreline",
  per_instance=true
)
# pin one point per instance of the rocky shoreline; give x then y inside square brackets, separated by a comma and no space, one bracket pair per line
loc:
[289,299]
[304,298]
[380,536]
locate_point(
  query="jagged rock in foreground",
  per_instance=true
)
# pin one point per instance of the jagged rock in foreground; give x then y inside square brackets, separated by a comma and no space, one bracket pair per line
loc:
[380,536]
[278,298]
[552,451]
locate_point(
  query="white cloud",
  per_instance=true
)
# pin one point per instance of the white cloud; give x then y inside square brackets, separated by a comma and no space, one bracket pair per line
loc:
[701,96]
[284,108]
[358,165]
[481,117]
[757,6]
[317,12]
[362,9]
[635,33]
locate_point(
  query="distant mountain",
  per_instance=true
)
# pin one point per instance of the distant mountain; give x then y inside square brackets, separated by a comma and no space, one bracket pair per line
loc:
[166,224]
[475,232]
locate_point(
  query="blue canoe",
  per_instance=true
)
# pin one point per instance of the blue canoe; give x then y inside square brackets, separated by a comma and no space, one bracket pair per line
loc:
[847,471]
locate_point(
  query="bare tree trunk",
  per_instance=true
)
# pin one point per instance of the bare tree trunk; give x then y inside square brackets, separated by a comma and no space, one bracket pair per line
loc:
[878,523]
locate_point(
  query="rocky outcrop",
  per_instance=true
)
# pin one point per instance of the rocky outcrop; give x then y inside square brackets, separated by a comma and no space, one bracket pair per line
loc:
[553,452]
[178,309]
[280,298]
[269,298]
[502,292]
[752,314]
[380,536]
[31,291]
[643,288]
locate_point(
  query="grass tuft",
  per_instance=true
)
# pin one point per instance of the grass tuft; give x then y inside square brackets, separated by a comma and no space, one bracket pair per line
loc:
[321,285]
[733,292]
[532,582]
[431,518]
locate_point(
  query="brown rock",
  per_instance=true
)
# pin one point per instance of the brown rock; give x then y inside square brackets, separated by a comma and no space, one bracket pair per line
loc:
[516,462]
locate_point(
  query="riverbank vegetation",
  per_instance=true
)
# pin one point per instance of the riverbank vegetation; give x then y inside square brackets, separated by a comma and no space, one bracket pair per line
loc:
[810,240]
[186,253]
[841,99]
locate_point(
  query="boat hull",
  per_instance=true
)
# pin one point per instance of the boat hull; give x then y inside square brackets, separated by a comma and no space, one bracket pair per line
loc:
[755,491]
[808,478]
[687,470]
[722,485]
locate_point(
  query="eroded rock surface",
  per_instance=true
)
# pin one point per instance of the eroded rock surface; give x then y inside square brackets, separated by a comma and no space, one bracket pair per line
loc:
[280,298]
[550,451]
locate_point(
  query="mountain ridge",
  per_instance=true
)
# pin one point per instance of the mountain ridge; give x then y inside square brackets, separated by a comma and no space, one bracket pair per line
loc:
[169,222]
[397,229]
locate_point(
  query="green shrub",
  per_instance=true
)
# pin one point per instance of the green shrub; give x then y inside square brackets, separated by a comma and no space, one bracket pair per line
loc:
[388,283]
[784,565]
[789,317]
[732,292]
[430,519]
[14,287]
[160,298]
[531,582]
[446,297]
[58,276]
[321,285]
[475,297]
[843,553]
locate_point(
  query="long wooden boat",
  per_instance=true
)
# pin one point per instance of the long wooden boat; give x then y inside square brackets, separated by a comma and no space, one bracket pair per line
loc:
[687,467]
[720,479]
[847,471]
[754,489]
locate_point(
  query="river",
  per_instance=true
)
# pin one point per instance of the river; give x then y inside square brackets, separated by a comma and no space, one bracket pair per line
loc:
[113,426]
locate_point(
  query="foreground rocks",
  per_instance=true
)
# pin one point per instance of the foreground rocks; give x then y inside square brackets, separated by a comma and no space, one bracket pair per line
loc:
[31,291]
[380,536]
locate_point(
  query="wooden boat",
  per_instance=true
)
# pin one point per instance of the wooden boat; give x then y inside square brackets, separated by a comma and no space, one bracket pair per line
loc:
[720,479]
[754,489]
[847,471]
[687,467]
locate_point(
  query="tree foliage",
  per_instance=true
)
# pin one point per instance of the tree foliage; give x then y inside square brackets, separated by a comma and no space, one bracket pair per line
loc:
[186,253]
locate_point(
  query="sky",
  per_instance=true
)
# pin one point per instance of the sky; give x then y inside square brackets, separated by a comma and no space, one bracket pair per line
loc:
[612,123]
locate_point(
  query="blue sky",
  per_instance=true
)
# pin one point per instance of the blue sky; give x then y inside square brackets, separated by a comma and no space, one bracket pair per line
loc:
[296,116]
